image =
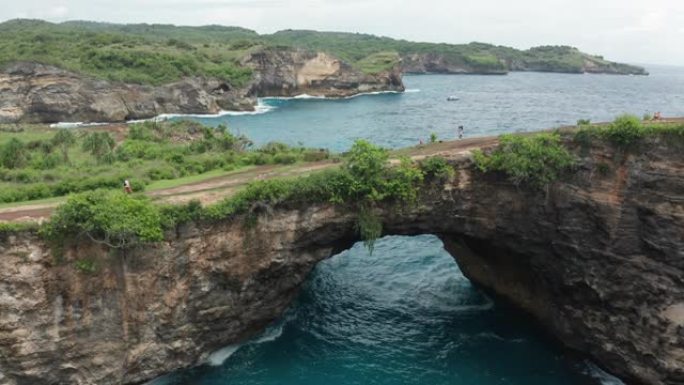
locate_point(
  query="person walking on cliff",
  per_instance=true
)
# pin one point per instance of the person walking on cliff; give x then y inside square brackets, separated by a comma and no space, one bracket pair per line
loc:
[460,132]
[127,187]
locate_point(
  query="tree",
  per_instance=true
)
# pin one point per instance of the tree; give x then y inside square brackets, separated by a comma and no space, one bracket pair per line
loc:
[13,153]
[64,139]
[100,145]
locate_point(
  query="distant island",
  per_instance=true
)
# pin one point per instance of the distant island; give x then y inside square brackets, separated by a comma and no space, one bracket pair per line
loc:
[93,71]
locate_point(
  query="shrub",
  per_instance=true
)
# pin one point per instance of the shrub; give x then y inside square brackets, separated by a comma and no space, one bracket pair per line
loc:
[285,158]
[113,218]
[625,130]
[437,167]
[583,122]
[316,156]
[13,153]
[536,160]
[100,145]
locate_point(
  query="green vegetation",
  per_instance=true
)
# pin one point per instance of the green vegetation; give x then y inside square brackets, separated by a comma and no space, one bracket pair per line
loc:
[536,160]
[11,228]
[627,131]
[159,54]
[364,180]
[85,266]
[437,167]
[136,54]
[39,163]
[113,218]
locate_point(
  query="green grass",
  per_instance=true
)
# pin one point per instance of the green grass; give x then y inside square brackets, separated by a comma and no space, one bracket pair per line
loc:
[152,155]
[170,183]
[33,202]
[159,54]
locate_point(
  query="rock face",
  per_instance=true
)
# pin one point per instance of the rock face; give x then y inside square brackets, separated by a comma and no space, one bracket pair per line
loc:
[436,63]
[287,72]
[36,93]
[598,259]
[433,63]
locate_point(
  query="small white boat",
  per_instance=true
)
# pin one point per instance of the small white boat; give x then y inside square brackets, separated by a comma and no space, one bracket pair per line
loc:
[452,98]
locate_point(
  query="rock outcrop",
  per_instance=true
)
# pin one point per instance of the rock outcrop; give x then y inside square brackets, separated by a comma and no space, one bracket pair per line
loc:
[598,259]
[288,72]
[37,93]
[435,63]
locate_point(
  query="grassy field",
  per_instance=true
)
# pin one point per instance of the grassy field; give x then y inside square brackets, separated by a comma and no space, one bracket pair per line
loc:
[38,162]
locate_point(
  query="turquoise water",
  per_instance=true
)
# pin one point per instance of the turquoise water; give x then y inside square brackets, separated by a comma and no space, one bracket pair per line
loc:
[488,105]
[406,315]
[403,315]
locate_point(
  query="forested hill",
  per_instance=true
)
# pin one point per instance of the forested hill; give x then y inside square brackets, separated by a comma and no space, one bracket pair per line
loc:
[158,54]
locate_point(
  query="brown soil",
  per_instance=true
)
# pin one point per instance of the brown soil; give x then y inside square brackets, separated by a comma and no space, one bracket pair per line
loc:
[215,189]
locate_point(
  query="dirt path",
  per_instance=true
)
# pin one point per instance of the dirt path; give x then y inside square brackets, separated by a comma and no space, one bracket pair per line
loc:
[215,189]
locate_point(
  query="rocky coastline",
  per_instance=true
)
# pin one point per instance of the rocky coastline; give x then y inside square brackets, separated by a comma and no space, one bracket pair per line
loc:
[37,93]
[596,259]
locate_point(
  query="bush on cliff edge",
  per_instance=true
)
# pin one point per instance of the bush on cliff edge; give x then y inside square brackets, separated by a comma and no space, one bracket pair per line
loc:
[537,160]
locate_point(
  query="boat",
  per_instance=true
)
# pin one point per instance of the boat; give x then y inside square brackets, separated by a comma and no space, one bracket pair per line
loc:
[452,98]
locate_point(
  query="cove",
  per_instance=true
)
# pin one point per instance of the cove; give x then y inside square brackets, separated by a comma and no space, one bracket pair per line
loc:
[403,315]
[517,102]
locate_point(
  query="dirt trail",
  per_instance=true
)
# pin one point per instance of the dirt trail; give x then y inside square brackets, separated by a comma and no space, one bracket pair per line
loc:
[215,189]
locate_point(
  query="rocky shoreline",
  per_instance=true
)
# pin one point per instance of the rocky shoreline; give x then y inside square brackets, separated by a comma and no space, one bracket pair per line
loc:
[37,93]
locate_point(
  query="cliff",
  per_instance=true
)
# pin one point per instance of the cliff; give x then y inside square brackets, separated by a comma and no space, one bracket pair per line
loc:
[598,259]
[38,93]
[288,72]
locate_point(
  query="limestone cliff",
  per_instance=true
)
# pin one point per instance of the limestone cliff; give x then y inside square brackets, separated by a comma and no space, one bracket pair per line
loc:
[436,63]
[598,259]
[288,72]
[37,93]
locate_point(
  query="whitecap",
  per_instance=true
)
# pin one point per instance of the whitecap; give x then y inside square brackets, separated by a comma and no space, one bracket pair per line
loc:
[411,91]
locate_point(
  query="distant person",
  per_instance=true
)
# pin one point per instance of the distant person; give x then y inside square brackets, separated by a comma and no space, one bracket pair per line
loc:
[127,187]
[657,116]
[460,132]
[420,141]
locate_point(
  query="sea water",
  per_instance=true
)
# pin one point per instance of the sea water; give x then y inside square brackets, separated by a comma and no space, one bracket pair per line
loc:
[487,105]
[403,315]
[406,314]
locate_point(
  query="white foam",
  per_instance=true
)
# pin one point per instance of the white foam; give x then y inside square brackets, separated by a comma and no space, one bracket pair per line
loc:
[260,108]
[306,96]
[411,91]
[220,356]
[75,124]
[371,93]
[601,375]
[271,334]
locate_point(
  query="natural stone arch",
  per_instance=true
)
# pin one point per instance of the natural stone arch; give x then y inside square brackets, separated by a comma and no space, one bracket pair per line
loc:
[597,259]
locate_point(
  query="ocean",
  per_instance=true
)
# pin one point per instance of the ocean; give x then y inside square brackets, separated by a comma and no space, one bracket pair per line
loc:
[406,314]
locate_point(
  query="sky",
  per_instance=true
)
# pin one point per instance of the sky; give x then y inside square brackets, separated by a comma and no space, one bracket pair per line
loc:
[633,31]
